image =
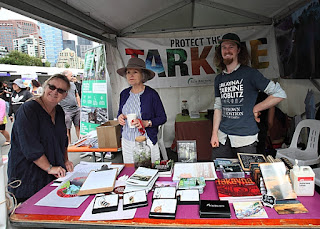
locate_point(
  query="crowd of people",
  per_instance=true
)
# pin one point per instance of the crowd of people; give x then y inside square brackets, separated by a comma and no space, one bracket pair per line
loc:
[38,158]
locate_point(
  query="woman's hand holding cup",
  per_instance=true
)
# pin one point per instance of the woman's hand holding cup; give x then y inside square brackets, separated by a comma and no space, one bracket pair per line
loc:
[131,119]
[122,119]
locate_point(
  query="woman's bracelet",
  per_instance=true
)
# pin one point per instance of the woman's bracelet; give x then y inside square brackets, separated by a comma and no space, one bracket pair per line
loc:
[50,167]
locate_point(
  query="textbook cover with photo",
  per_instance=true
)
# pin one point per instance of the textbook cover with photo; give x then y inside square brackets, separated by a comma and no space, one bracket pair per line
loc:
[237,189]
[289,207]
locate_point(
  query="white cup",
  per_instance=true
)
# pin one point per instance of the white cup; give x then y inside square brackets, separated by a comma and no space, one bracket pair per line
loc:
[131,117]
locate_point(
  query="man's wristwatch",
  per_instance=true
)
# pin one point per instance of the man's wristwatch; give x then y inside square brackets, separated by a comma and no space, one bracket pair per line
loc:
[150,123]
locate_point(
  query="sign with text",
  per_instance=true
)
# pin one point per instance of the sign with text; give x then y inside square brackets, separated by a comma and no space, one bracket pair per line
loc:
[189,61]
[94,107]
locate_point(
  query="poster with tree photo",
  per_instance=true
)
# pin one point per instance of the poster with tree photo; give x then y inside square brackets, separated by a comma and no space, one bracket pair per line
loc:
[187,151]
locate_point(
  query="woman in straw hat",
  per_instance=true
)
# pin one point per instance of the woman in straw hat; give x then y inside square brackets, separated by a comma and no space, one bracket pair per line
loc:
[143,101]
[39,143]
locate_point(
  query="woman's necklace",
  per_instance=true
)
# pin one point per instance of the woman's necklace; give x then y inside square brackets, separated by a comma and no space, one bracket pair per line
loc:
[52,113]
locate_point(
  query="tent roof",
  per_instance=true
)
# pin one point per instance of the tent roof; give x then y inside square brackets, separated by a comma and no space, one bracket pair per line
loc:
[104,20]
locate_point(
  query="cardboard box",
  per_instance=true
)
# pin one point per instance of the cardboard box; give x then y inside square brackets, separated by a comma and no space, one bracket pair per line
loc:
[109,134]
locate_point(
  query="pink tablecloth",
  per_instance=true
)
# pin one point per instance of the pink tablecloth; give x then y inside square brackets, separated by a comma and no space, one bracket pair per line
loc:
[183,211]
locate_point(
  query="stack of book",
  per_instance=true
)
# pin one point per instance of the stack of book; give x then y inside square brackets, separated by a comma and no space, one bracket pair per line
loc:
[238,189]
[141,179]
[165,167]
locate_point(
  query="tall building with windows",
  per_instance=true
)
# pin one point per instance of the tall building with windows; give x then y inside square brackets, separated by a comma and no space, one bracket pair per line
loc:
[70,44]
[3,51]
[54,43]
[33,45]
[12,29]
[83,46]
[68,58]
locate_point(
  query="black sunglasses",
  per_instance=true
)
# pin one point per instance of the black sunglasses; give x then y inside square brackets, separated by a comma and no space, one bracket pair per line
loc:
[59,90]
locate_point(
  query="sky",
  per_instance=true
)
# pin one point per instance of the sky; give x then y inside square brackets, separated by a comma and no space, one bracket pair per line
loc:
[10,15]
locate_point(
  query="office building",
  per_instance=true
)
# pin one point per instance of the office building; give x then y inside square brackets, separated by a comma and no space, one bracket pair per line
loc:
[33,45]
[54,43]
[3,51]
[70,44]
[68,58]
[83,46]
[12,29]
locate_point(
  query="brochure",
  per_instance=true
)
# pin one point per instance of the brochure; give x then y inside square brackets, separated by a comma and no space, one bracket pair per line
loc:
[142,176]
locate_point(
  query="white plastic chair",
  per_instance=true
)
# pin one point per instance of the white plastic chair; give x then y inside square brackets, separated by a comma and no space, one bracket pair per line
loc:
[161,143]
[309,156]
[317,176]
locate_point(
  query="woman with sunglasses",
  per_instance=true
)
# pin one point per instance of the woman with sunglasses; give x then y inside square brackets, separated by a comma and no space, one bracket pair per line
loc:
[39,140]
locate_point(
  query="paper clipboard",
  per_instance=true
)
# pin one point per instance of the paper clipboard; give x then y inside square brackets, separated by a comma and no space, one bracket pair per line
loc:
[99,182]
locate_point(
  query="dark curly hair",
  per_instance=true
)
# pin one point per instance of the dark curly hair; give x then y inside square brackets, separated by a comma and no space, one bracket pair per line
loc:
[35,83]
[243,57]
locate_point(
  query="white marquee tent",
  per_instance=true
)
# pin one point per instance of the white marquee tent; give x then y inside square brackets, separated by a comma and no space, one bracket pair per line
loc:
[105,21]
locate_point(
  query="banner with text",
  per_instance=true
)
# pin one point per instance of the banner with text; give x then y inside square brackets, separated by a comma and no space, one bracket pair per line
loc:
[94,109]
[189,61]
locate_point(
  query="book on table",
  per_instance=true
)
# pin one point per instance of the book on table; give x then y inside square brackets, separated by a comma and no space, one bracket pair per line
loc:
[289,207]
[276,180]
[142,176]
[197,169]
[164,167]
[237,189]
[249,210]
[214,209]
[132,188]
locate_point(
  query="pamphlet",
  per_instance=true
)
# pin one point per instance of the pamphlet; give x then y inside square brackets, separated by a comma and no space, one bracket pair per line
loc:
[249,210]
[142,176]
[198,169]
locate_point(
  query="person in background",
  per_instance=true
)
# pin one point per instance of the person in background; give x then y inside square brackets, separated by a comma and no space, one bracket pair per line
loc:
[3,121]
[19,96]
[265,125]
[78,85]
[71,106]
[6,95]
[39,143]
[36,87]
[236,90]
[143,101]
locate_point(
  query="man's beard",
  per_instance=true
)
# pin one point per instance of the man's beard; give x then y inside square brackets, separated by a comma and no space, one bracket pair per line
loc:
[228,61]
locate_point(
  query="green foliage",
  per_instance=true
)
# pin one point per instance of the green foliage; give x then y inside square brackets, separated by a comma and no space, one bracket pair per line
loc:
[47,64]
[19,58]
[66,65]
